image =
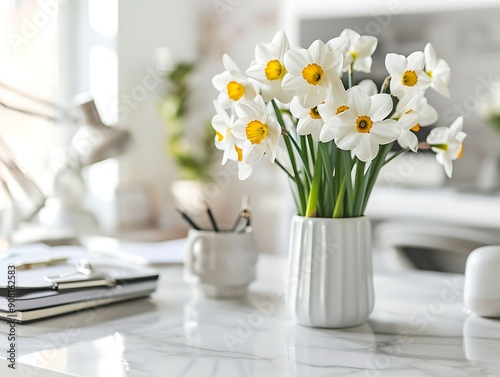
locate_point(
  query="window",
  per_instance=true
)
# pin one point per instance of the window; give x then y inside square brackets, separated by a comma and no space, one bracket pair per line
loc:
[29,65]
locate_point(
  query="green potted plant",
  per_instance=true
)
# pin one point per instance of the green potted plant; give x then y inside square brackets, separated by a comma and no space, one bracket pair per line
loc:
[193,156]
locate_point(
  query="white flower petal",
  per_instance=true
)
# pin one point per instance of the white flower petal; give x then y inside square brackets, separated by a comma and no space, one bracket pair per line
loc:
[263,53]
[368,86]
[339,44]
[244,171]
[358,100]
[441,87]
[365,46]
[281,40]
[351,34]
[430,57]
[446,162]
[312,98]
[247,110]
[367,148]
[257,72]
[317,51]
[408,139]
[298,111]
[386,131]
[296,60]
[229,64]
[363,64]
[381,106]
[238,129]
[416,62]
[395,65]
[438,135]
[348,141]
[295,85]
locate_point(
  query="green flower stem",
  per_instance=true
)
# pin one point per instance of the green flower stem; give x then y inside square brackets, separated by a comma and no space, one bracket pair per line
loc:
[347,163]
[312,202]
[302,154]
[296,178]
[360,187]
[374,171]
[310,142]
[338,212]
[398,153]
[329,192]
[351,75]
[284,169]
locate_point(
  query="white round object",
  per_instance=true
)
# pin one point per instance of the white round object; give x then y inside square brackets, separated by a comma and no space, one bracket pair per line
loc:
[482,281]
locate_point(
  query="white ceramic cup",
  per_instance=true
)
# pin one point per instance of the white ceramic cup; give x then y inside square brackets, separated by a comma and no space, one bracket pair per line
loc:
[220,265]
[482,281]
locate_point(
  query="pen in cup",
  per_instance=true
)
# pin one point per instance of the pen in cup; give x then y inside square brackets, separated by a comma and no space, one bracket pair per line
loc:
[212,218]
[188,219]
[243,220]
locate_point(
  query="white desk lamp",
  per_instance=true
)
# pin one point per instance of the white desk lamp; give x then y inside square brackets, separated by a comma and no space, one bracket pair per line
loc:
[93,142]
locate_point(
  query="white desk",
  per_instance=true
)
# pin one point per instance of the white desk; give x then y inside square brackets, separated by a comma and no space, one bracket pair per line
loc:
[418,328]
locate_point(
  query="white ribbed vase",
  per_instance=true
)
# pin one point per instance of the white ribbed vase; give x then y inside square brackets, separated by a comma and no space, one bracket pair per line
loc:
[330,272]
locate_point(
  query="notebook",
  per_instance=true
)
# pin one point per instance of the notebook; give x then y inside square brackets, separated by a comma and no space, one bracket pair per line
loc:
[40,286]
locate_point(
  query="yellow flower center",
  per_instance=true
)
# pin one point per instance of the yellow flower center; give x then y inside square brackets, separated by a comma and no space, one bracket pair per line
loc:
[354,54]
[239,151]
[256,132]
[410,78]
[429,73]
[341,109]
[313,74]
[461,151]
[235,90]
[416,127]
[314,113]
[274,70]
[220,137]
[364,124]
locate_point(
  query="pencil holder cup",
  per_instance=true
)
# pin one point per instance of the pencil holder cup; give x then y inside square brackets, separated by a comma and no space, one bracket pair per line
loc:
[220,265]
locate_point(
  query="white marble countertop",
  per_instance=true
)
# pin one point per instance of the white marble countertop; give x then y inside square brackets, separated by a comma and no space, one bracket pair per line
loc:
[419,328]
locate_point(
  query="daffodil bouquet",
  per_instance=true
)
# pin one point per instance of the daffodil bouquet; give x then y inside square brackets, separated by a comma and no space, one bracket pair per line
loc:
[292,106]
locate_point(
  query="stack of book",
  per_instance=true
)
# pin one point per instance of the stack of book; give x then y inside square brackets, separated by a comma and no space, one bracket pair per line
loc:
[36,285]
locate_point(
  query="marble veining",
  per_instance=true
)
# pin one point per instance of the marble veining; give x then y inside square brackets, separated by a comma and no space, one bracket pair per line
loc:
[419,327]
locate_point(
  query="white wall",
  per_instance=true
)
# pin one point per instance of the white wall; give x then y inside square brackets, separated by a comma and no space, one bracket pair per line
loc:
[144,26]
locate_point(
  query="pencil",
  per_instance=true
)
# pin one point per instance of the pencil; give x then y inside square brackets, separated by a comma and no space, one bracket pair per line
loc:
[188,219]
[212,218]
[243,220]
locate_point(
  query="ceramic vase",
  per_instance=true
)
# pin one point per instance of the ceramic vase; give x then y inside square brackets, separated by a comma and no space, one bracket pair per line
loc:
[330,277]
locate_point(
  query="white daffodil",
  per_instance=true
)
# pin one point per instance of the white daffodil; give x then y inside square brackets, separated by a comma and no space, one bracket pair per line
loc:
[310,73]
[341,44]
[407,74]
[361,49]
[438,70]
[259,130]
[427,114]
[234,86]
[362,128]
[269,67]
[447,143]
[408,124]
[411,114]
[225,141]
[244,169]
[221,123]
[310,121]
[335,102]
